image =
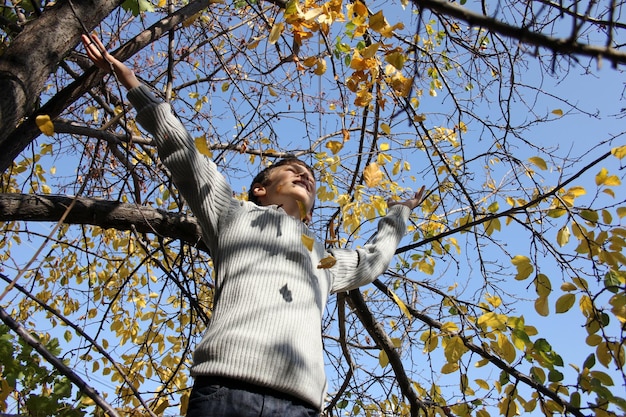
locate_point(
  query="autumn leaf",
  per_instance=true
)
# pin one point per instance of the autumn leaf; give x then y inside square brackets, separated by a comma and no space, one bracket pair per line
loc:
[562,236]
[334,146]
[400,303]
[619,152]
[320,68]
[327,262]
[276,31]
[307,241]
[202,146]
[372,175]
[45,124]
[302,209]
[378,22]
[397,59]
[524,267]
[539,162]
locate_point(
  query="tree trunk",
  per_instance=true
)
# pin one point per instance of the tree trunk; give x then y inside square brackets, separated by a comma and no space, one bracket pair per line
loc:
[35,53]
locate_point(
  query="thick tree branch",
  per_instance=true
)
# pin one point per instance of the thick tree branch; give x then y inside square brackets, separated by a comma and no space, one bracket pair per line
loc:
[31,58]
[57,363]
[493,359]
[557,45]
[27,131]
[102,213]
[355,299]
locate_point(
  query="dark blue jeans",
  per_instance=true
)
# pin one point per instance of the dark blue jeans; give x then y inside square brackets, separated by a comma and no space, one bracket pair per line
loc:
[213,398]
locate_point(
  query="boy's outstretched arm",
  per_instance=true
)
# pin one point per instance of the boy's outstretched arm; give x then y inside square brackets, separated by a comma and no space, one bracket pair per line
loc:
[107,62]
[411,202]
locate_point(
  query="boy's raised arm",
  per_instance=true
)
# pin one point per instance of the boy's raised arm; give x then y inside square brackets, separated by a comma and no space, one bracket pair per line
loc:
[205,190]
[107,62]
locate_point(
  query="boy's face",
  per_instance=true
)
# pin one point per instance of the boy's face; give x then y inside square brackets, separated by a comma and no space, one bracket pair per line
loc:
[287,185]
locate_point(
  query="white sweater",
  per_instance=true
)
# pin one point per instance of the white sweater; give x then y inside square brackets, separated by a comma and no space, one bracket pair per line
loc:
[270,294]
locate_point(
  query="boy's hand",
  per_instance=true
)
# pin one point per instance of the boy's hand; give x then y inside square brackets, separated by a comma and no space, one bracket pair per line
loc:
[411,202]
[107,62]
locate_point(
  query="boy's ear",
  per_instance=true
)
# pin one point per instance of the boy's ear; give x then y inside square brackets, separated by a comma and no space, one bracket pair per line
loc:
[258,190]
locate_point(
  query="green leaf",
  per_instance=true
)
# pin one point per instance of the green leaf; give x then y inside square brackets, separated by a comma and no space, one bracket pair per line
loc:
[138,6]
[589,215]
[555,376]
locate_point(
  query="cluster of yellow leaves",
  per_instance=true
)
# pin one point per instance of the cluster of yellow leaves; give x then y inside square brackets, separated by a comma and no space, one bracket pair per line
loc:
[306,18]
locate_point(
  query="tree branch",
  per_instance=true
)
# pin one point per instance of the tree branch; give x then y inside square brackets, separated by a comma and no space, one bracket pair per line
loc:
[355,298]
[57,363]
[102,213]
[562,46]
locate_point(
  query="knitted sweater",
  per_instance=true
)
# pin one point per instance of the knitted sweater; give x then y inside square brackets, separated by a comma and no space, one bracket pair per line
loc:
[270,294]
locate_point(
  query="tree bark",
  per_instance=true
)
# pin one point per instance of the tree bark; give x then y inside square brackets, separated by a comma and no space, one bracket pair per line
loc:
[102,213]
[13,139]
[34,54]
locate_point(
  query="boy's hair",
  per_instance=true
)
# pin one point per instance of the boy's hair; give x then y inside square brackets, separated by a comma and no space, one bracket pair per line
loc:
[263,177]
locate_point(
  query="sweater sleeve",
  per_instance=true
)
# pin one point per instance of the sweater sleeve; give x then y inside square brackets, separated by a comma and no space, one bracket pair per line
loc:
[361,266]
[196,176]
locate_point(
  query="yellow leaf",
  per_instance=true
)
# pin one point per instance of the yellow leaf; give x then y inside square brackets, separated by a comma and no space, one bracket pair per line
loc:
[601,176]
[541,306]
[449,327]
[307,241]
[313,13]
[523,265]
[383,359]
[543,286]
[397,59]
[558,112]
[612,181]
[310,61]
[161,407]
[276,31]
[565,302]
[539,162]
[321,67]
[302,209]
[202,146]
[370,51]
[562,237]
[272,92]
[377,21]
[493,320]
[482,383]
[577,191]
[619,152]
[334,146]
[225,86]
[327,262]
[400,303]
[372,175]
[45,124]
[363,98]
[387,130]
[449,368]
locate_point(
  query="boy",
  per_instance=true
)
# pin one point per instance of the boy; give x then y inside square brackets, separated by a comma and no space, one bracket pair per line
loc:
[262,352]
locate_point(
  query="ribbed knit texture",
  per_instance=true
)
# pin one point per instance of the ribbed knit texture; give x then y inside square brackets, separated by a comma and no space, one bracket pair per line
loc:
[269,293]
